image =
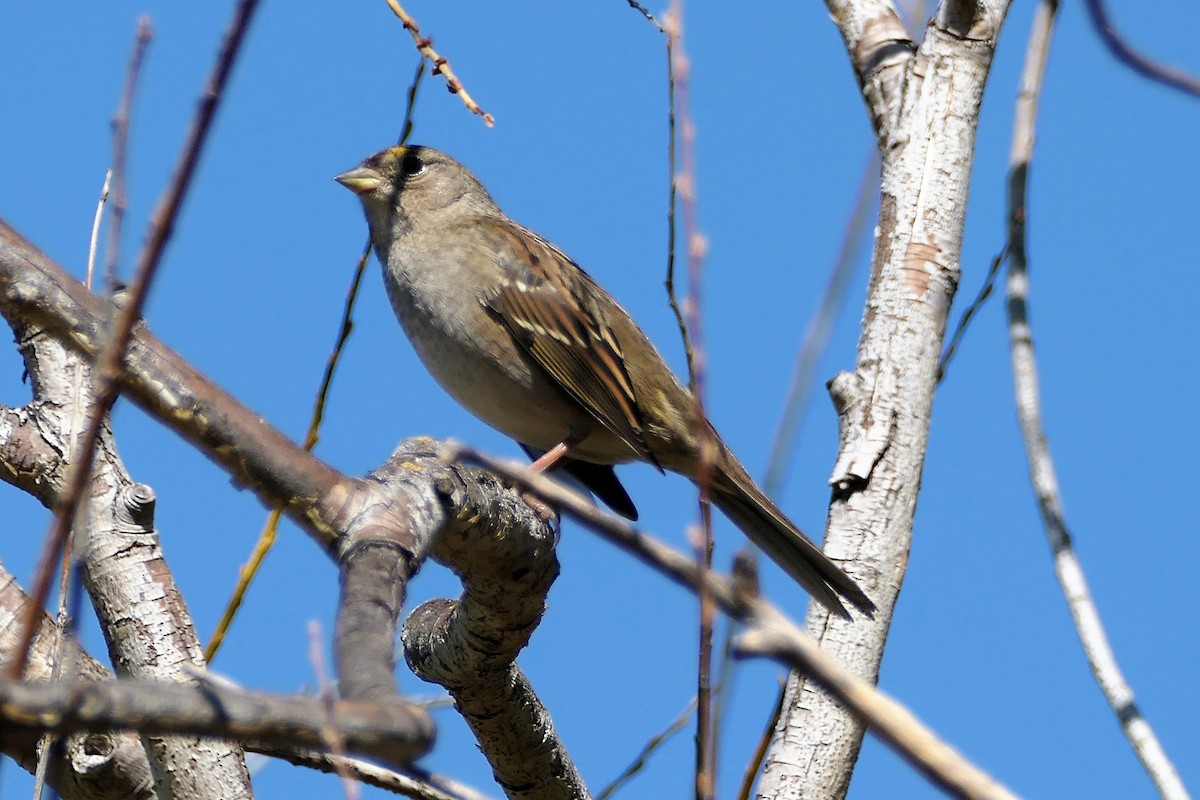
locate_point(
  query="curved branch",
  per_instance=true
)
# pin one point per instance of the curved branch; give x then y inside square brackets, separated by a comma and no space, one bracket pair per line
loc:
[504,555]
[409,782]
[1148,68]
[107,766]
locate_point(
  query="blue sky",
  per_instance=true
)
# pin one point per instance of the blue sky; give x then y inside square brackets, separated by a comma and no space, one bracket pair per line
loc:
[981,648]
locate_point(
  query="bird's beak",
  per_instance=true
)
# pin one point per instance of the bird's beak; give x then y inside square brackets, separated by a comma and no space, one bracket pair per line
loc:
[360,180]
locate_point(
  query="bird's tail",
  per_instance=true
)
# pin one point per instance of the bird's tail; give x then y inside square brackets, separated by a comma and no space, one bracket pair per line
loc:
[738,496]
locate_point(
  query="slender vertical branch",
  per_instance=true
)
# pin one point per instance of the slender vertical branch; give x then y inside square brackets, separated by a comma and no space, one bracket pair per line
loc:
[760,752]
[267,536]
[94,242]
[1067,566]
[964,321]
[697,246]
[672,202]
[410,102]
[120,128]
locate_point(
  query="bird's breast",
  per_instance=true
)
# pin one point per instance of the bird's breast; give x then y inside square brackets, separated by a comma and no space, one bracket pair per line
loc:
[475,359]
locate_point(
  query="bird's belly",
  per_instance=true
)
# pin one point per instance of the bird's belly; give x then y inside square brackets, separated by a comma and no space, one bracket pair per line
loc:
[518,399]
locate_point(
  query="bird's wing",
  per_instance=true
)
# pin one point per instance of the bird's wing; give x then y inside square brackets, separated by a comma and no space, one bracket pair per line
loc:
[556,312]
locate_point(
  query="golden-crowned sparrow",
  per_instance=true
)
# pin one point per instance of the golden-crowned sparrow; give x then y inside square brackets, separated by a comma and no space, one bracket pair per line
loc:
[529,343]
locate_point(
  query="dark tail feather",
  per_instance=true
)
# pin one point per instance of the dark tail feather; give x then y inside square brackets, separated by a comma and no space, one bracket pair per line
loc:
[735,493]
[599,479]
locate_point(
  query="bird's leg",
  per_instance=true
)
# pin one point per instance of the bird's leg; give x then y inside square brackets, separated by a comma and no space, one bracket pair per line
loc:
[549,459]
[546,462]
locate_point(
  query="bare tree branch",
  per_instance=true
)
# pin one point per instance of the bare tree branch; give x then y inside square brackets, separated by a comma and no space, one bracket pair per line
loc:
[504,555]
[880,50]
[107,372]
[99,766]
[924,104]
[652,744]
[104,766]
[120,125]
[379,528]
[1067,565]
[409,782]
[123,565]
[440,65]
[1148,68]
[257,456]
[816,334]
[125,572]
[684,182]
[390,733]
[769,633]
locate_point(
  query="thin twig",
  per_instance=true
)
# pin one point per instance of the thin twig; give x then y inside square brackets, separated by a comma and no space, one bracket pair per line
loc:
[267,537]
[697,246]
[1067,566]
[645,12]
[964,322]
[411,782]
[107,370]
[705,730]
[1168,76]
[120,128]
[410,103]
[66,623]
[67,620]
[672,192]
[440,65]
[706,762]
[94,241]
[726,664]
[655,742]
[247,572]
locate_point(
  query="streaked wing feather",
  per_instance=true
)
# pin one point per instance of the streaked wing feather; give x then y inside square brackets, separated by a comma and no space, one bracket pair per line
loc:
[554,315]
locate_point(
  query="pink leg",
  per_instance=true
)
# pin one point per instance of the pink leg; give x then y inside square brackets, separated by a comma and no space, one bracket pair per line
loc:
[546,462]
[551,457]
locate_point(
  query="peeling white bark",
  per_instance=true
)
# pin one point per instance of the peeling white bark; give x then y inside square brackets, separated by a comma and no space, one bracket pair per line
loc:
[925,106]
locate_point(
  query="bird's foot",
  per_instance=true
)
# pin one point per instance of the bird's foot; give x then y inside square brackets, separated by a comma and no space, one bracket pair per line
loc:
[546,512]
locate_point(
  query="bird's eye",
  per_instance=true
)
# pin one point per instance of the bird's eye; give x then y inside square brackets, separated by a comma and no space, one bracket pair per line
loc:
[412,165]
